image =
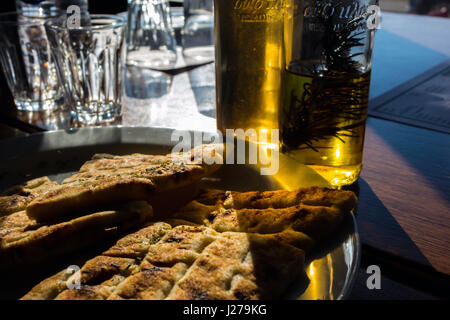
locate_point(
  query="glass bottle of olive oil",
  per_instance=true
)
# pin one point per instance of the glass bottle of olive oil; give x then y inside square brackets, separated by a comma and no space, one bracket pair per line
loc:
[249,63]
[326,87]
[323,122]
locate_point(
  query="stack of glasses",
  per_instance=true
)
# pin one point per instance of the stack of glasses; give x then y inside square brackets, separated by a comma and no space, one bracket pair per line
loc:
[57,56]
[60,57]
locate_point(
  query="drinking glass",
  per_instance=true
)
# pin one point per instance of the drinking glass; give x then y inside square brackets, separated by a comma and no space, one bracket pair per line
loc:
[326,84]
[202,80]
[198,31]
[150,36]
[90,61]
[26,59]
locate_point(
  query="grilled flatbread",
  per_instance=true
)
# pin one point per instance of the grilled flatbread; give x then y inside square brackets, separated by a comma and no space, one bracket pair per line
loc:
[211,250]
[184,262]
[24,241]
[108,178]
[314,211]
[16,198]
[313,196]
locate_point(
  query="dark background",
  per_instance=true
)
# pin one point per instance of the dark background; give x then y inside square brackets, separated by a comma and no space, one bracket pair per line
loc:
[431,7]
[95,6]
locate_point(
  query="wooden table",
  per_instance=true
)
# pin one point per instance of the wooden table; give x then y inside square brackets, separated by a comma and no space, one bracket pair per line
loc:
[404,189]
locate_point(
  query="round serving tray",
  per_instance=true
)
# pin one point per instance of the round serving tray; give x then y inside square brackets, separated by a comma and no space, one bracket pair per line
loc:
[329,273]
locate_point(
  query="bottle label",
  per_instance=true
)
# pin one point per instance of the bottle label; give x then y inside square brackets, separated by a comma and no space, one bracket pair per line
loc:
[339,13]
[257,10]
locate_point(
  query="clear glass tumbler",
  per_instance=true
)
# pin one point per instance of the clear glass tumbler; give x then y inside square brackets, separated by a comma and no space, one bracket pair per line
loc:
[150,37]
[198,31]
[28,64]
[90,61]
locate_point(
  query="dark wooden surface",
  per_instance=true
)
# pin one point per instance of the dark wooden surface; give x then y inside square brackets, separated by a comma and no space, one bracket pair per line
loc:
[405,187]
[390,290]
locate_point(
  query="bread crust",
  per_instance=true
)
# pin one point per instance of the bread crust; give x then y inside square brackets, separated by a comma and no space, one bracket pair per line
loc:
[316,212]
[107,179]
[184,262]
[250,248]
[18,197]
[24,241]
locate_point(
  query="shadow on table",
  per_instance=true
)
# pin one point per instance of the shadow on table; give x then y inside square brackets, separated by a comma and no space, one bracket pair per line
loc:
[144,83]
[202,80]
[391,235]
[427,151]
[414,271]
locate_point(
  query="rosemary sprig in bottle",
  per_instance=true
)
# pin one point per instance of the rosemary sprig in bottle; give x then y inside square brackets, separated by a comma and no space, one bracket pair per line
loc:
[332,105]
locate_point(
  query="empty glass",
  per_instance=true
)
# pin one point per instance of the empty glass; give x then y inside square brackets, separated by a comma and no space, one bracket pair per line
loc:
[143,83]
[90,62]
[202,80]
[150,36]
[198,31]
[27,62]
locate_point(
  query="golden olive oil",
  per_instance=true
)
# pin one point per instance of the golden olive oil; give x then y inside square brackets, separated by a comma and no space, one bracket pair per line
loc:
[249,63]
[322,121]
